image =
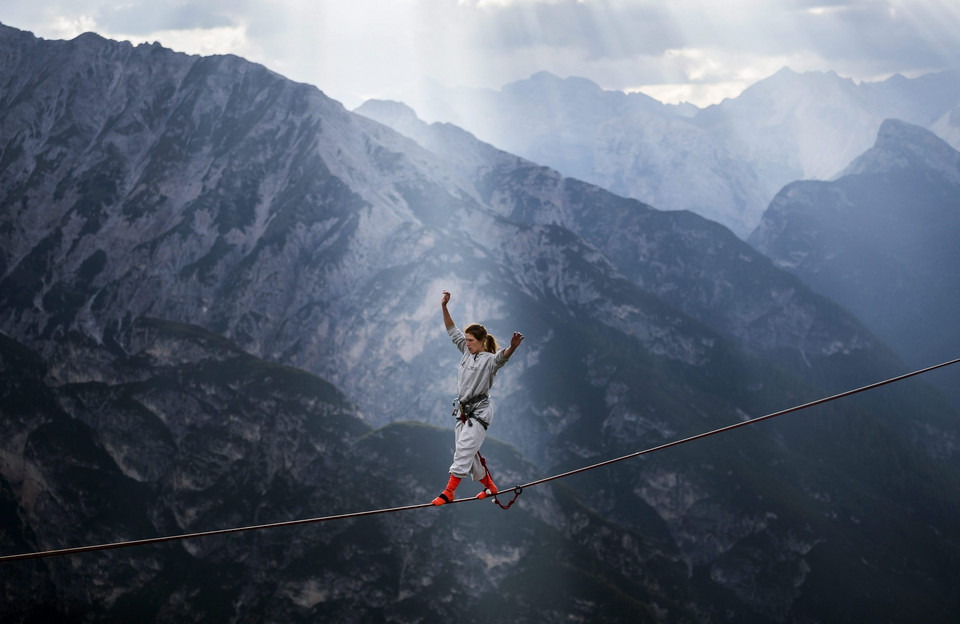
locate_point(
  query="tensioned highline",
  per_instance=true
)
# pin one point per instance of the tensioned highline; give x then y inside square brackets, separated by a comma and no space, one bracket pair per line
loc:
[517,489]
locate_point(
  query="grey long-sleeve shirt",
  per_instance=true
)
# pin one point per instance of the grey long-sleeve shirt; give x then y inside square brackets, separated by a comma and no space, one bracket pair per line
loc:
[476,370]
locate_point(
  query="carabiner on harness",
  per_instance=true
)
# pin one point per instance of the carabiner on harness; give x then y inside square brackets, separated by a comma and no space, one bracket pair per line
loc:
[464,410]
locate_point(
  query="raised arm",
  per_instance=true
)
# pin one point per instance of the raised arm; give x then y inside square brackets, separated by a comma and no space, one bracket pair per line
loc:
[447,319]
[515,341]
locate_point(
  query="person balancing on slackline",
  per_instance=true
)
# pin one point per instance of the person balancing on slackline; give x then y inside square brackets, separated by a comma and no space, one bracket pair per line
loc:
[479,365]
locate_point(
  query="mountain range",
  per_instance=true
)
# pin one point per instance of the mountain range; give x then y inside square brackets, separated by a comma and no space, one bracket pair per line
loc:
[219,297]
[725,162]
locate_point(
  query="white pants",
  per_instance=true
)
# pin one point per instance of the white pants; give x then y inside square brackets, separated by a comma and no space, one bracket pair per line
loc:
[466,462]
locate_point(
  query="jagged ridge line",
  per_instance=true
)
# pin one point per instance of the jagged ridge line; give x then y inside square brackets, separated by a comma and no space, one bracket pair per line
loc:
[517,488]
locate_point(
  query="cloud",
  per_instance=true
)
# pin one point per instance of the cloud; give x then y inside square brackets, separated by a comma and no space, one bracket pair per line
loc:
[598,30]
[151,16]
[372,48]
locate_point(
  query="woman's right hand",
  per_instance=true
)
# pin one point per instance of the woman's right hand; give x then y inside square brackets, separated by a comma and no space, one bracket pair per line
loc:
[446,298]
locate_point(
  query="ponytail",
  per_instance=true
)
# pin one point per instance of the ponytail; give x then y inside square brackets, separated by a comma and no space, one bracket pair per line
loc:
[479,332]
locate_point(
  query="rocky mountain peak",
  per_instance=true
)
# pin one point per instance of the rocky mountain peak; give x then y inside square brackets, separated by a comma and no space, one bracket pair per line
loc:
[786,85]
[546,80]
[901,145]
[389,111]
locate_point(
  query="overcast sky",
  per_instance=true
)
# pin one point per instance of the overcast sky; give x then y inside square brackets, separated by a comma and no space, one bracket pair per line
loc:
[674,50]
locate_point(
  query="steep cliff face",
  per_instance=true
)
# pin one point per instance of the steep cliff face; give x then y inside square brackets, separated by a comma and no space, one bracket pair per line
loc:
[141,183]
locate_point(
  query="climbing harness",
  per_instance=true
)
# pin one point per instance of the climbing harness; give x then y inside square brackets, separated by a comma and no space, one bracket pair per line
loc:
[464,411]
[517,489]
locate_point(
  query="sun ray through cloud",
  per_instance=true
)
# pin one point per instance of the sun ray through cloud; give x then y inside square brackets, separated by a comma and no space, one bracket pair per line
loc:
[690,50]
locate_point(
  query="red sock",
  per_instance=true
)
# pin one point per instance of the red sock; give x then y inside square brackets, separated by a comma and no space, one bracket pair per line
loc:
[447,495]
[489,487]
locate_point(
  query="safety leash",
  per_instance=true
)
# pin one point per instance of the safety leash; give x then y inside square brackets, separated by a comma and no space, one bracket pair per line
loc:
[516,491]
